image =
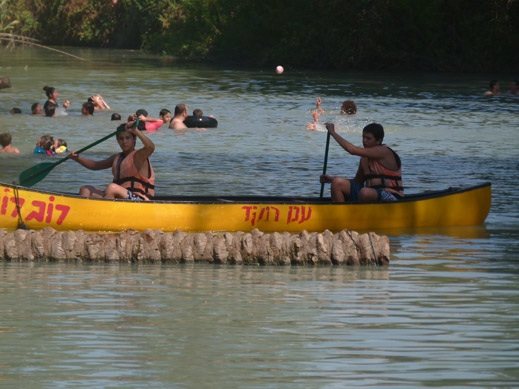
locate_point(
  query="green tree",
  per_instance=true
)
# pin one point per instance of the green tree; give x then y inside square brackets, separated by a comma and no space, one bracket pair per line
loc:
[327,34]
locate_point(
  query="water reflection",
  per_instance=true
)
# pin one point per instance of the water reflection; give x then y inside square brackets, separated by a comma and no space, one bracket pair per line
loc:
[193,325]
[131,324]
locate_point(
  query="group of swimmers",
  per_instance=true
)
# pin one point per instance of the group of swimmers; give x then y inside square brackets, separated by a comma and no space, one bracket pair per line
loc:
[348,107]
[180,120]
[52,108]
[48,145]
[96,102]
[494,88]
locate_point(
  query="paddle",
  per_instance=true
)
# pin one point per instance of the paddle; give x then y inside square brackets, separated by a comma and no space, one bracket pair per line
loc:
[325,160]
[35,174]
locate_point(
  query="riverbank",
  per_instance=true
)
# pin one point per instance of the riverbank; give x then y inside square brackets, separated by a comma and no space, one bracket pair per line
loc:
[256,248]
[378,35]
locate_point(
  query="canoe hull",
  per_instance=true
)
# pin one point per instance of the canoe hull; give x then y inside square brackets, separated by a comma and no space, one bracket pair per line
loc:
[37,209]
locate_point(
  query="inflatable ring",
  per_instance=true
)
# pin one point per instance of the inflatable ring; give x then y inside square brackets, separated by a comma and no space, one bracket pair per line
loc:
[201,122]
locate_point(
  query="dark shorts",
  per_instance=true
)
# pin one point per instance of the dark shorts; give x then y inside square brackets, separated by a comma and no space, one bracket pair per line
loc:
[355,188]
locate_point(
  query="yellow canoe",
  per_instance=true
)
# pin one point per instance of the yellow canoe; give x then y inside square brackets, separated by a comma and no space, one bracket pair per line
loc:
[36,209]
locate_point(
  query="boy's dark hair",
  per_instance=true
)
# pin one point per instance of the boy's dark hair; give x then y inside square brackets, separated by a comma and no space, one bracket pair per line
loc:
[116,116]
[180,108]
[376,130]
[33,107]
[140,112]
[46,141]
[5,139]
[197,113]
[121,128]
[349,107]
[164,111]
[89,107]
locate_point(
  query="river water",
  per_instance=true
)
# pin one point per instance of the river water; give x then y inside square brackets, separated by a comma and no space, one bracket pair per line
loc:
[443,313]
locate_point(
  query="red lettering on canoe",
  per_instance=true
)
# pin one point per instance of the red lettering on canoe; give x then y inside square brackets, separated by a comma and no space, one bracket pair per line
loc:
[42,211]
[296,214]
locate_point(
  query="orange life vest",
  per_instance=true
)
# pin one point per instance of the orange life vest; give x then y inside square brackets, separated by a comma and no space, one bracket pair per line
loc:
[381,177]
[126,174]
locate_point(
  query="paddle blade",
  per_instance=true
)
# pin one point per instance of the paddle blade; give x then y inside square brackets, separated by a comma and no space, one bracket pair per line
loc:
[35,174]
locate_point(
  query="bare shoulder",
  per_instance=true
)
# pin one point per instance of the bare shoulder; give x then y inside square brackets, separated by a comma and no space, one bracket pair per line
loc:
[177,124]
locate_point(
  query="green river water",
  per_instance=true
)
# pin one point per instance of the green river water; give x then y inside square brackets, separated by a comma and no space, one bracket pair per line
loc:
[444,313]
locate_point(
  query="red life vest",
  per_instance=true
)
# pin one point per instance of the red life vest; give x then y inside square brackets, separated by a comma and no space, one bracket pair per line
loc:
[381,177]
[126,174]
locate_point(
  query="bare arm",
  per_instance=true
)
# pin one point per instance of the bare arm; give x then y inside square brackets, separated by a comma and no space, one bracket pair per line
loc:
[142,155]
[377,152]
[142,118]
[91,164]
[150,124]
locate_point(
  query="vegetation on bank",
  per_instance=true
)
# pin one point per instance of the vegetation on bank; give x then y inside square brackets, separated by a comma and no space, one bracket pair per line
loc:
[445,35]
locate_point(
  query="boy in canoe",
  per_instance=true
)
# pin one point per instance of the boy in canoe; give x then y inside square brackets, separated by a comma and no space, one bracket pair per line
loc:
[379,175]
[134,178]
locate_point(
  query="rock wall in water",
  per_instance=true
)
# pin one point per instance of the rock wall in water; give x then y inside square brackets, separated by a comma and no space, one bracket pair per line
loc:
[326,248]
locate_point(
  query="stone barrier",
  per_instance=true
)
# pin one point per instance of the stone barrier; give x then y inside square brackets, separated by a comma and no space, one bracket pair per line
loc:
[254,248]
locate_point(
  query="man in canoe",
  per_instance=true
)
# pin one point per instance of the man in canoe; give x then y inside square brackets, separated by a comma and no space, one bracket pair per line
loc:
[134,178]
[379,176]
